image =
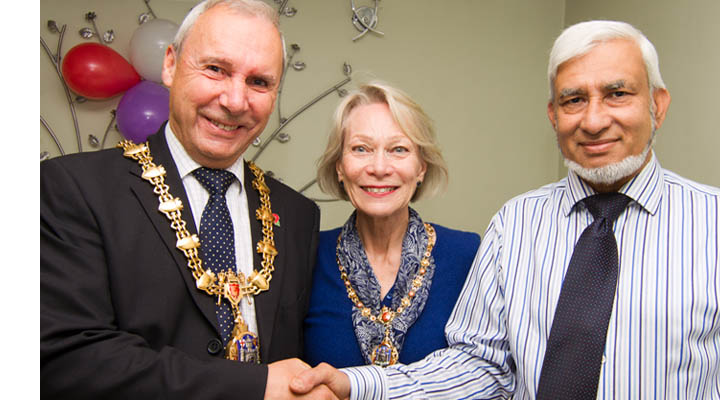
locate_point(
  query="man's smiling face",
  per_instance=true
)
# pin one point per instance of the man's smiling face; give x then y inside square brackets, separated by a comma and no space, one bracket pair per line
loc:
[223,84]
[601,111]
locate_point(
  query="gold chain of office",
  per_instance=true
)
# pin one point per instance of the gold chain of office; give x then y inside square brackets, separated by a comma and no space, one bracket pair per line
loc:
[386,353]
[226,284]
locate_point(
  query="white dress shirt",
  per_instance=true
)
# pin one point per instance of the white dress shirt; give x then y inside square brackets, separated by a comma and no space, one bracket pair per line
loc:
[237,204]
[663,339]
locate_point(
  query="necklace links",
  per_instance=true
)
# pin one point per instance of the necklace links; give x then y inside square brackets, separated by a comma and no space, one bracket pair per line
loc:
[386,352]
[244,345]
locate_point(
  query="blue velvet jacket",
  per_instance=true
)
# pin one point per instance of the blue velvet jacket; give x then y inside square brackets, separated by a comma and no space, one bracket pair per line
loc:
[329,334]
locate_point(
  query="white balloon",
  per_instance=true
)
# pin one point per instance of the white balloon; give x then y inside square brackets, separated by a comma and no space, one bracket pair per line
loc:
[148,45]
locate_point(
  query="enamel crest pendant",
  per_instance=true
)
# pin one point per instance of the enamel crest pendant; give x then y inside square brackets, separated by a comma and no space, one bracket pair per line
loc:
[231,287]
[384,354]
[244,346]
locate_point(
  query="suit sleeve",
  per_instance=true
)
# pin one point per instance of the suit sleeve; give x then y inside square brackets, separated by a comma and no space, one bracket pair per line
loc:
[312,258]
[83,353]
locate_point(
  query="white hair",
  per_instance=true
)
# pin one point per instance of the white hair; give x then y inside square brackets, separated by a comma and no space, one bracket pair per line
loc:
[579,39]
[256,8]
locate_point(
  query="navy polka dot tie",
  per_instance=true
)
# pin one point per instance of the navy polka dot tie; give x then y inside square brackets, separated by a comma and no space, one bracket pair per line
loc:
[217,239]
[573,358]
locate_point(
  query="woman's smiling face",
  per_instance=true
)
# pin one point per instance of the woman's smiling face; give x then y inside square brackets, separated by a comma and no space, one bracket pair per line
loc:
[380,166]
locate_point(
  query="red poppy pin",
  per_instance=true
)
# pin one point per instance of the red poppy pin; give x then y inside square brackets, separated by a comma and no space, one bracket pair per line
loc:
[276,219]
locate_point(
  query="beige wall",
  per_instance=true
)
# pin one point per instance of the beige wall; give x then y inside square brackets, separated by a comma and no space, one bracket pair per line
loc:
[487,99]
[476,66]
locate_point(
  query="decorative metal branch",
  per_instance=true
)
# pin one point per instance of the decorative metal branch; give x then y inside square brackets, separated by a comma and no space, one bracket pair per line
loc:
[323,200]
[365,19]
[294,48]
[335,88]
[347,71]
[307,185]
[283,122]
[315,199]
[56,60]
[284,10]
[88,33]
[52,27]
[144,17]
[90,17]
[52,134]
[107,130]
[282,3]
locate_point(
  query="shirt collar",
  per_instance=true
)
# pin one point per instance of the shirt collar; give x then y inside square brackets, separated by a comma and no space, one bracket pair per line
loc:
[185,164]
[645,189]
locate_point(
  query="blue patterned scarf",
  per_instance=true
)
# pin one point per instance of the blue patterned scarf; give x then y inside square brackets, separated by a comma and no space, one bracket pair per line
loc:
[351,254]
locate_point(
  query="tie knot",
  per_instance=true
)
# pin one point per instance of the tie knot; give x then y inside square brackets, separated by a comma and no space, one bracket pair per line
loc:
[606,205]
[215,181]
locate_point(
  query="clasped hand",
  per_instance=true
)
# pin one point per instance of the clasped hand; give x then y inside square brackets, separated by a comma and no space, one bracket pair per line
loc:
[294,379]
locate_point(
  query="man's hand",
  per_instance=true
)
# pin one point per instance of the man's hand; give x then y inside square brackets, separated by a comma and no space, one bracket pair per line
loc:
[323,374]
[280,373]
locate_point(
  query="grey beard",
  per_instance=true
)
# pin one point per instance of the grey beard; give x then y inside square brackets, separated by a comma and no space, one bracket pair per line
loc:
[609,174]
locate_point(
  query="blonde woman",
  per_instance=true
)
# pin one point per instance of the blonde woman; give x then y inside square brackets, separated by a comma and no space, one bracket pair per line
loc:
[385,282]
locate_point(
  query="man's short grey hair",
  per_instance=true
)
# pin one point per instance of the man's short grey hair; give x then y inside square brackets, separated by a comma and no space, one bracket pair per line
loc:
[255,8]
[579,39]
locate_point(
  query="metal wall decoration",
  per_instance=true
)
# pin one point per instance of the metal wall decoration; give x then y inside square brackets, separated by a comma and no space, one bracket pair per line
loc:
[277,134]
[56,59]
[291,66]
[365,19]
[284,9]
[146,16]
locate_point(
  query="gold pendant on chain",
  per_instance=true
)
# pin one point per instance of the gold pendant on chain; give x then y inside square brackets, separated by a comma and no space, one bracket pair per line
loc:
[384,354]
[231,286]
[244,346]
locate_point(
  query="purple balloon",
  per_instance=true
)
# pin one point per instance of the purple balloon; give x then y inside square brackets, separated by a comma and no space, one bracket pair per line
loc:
[142,110]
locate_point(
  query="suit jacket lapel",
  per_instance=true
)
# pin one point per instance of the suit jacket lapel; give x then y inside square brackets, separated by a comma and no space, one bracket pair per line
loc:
[149,200]
[266,303]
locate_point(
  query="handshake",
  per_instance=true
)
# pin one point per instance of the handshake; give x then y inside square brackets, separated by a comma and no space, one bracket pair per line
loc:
[294,379]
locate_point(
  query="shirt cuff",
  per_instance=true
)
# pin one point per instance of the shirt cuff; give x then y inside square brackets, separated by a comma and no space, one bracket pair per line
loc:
[366,383]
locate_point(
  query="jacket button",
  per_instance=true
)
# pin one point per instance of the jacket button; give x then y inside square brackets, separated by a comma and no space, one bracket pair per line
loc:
[214,346]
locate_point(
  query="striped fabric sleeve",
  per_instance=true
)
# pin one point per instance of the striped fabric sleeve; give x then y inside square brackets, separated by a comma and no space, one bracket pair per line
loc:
[476,365]
[366,382]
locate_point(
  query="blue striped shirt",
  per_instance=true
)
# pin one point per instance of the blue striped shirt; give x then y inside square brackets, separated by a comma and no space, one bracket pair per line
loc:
[663,338]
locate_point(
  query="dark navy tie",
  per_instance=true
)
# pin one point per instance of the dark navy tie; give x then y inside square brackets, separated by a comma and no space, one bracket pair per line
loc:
[573,357]
[217,239]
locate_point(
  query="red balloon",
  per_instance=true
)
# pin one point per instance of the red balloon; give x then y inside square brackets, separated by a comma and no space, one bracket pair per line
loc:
[96,71]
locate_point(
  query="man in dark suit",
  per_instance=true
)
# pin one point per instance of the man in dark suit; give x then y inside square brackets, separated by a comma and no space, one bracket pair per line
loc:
[127,309]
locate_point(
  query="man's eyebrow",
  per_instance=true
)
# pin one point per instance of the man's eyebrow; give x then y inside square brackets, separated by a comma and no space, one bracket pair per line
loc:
[572,92]
[569,92]
[619,84]
[213,60]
